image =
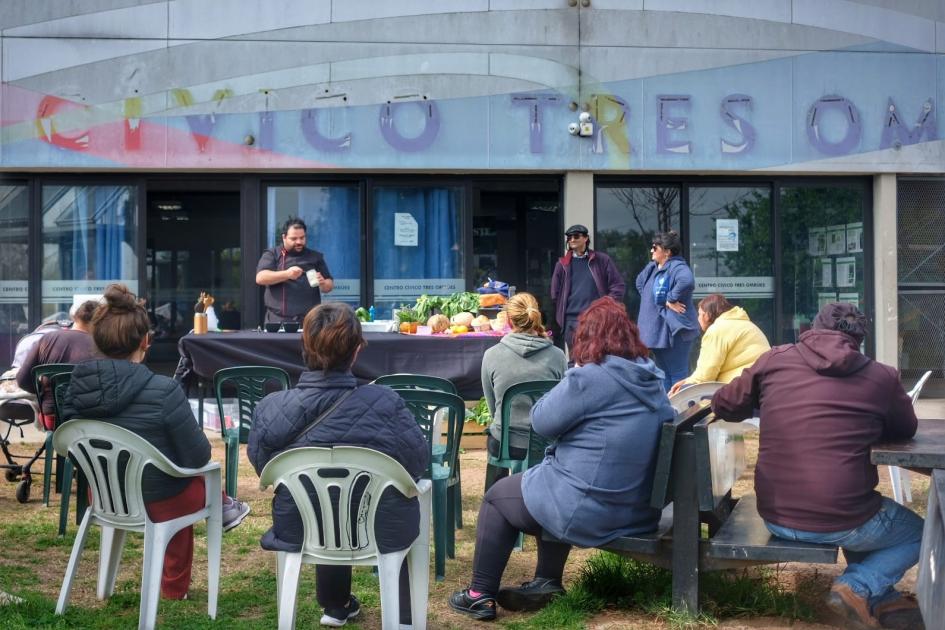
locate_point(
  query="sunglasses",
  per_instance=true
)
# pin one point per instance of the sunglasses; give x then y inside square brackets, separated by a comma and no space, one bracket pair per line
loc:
[654,247]
[574,237]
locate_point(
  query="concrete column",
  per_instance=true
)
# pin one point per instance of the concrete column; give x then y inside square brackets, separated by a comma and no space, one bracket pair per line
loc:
[885,269]
[579,200]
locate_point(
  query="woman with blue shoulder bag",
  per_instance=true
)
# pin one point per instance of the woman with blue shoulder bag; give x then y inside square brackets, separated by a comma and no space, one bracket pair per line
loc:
[667,318]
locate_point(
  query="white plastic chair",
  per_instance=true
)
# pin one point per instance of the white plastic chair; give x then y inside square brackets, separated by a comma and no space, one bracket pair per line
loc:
[693,394]
[97,448]
[332,537]
[899,478]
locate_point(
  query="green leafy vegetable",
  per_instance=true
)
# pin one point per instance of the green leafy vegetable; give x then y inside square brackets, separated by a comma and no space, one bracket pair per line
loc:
[362,314]
[480,413]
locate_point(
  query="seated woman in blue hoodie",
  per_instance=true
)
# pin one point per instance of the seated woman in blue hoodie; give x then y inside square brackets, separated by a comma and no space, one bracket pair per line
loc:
[594,483]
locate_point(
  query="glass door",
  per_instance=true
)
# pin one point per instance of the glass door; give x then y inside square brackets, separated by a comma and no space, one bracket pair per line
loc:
[730,248]
[14,268]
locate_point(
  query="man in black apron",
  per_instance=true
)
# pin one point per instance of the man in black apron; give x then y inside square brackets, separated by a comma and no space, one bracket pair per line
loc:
[294,276]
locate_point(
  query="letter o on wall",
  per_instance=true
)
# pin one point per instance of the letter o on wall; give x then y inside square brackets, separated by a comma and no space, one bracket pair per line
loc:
[854,127]
[393,137]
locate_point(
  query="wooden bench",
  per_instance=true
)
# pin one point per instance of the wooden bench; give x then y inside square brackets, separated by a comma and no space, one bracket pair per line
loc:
[700,459]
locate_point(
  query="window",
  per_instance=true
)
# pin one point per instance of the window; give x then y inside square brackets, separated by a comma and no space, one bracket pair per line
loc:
[89,235]
[14,268]
[627,219]
[332,216]
[730,248]
[822,243]
[418,244]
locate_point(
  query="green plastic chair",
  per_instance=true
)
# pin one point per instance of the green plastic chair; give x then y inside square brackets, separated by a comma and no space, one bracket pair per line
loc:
[417,381]
[41,374]
[435,383]
[340,530]
[100,449]
[534,390]
[444,470]
[251,383]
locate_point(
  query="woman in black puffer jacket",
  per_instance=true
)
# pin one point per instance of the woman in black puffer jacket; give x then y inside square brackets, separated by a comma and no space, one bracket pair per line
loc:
[371,416]
[118,389]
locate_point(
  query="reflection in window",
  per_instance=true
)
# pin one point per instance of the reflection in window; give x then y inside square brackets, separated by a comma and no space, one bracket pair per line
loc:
[89,237]
[333,219]
[627,219]
[822,252]
[418,244]
[14,269]
[730,248]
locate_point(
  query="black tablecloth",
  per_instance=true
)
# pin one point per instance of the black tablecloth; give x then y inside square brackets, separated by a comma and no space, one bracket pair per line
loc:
[458,359]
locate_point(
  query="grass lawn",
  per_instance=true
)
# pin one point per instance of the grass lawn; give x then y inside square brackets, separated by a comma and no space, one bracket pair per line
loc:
[603,593]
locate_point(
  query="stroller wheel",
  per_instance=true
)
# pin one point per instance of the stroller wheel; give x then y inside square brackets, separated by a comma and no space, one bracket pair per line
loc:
[23,490]
[11,474]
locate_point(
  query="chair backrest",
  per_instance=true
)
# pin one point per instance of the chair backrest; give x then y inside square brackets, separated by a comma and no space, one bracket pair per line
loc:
[59,383]
[252,383]
[917,389]
[690,396]
[417,381]
[531,389]
[424,405]
[42,373]
[337,491]
[113,460]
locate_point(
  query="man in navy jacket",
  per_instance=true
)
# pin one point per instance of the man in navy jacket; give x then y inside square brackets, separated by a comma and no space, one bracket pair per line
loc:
[580,277]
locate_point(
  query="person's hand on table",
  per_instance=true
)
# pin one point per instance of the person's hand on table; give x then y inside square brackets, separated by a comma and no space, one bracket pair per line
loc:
[675,388]
[678,307]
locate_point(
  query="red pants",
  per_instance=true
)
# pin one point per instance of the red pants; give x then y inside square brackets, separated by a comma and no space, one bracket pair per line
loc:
[179,556]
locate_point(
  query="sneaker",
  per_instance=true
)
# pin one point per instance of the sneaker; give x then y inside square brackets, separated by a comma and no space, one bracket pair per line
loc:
[481,608]
[852,608]
[337,617]
[899,613]
[533,595]
[233,513]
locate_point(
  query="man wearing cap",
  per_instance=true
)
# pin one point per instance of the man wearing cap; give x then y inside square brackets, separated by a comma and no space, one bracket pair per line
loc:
[823,404]
[580,277]
[294,276]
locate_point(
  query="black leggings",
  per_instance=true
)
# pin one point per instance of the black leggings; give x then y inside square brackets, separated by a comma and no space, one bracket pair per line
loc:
[333,587]
[502,516]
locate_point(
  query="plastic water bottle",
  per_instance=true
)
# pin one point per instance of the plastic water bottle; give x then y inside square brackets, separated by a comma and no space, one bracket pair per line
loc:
[371,313]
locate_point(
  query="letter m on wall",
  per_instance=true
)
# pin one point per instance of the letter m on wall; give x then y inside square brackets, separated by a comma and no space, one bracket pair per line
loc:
[896,134]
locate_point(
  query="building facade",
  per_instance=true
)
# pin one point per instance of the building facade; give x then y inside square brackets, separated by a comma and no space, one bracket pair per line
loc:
[794,145]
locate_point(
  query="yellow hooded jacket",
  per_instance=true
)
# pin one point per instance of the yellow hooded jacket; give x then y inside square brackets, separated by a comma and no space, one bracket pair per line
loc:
[730,344]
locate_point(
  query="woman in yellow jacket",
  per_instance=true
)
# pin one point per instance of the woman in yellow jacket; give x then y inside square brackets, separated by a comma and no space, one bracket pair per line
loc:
[730,343]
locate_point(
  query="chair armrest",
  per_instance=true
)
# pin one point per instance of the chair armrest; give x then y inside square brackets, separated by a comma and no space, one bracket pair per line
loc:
[423,486]
[176,471]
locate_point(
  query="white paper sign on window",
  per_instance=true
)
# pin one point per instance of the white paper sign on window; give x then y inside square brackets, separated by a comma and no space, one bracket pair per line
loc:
[406,230]
[836,239]
[854,237]
[852,298]
[846,272]
[816,241]
[726,235]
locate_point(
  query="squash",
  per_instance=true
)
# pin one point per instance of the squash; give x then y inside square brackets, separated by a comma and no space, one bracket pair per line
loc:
[462,319]
[438,323]
[481,324]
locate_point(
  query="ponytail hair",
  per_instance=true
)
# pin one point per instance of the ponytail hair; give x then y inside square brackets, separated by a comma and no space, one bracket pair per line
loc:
[120,323]
[524,314]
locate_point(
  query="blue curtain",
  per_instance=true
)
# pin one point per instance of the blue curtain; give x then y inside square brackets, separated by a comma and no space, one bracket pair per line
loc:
[92,230]
[334,220]
[438,253]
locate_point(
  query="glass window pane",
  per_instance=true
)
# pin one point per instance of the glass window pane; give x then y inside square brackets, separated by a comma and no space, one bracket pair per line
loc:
[332,215]
[730,248]
[627,219]
[14,269]
[418,244]
[822,256]
[89,235]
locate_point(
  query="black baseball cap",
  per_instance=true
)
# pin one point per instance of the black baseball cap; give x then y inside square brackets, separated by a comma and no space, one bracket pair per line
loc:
[576,229]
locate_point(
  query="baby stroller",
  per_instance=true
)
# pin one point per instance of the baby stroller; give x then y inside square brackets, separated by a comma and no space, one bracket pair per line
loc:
[17,409]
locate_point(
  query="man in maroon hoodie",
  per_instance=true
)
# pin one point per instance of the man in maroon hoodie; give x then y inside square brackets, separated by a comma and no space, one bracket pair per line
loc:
[823,404]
